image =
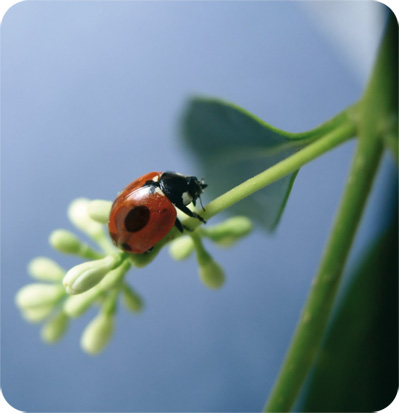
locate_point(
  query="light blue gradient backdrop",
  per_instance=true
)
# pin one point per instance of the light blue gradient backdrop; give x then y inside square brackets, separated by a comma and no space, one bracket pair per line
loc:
[92,93]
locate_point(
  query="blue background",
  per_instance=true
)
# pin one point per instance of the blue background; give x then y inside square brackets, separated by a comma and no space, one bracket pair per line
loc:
[92,94]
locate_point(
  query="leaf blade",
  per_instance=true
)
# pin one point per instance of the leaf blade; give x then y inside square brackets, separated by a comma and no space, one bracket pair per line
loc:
[233,145]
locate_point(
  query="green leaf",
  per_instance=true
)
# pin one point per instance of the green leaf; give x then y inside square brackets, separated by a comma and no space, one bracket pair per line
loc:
[233,145]
[356,369]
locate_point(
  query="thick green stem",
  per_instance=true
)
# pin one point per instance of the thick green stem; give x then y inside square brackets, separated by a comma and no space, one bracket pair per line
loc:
[310,329]
[281,169]
[378,106]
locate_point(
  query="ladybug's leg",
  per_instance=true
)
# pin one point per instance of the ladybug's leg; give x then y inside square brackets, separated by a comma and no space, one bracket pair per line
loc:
[179,225]
[190,213]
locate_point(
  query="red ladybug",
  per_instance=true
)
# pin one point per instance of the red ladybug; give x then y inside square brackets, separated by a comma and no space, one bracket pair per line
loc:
[144,212]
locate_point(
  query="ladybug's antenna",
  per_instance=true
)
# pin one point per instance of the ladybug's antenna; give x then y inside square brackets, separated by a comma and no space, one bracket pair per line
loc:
[201,203]
[203,186]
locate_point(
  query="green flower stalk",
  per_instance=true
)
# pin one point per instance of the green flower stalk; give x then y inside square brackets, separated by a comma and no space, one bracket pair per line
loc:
[99,331]
[114,278]
[132,301]
[210,272]
[55,328]
[37,314]
[84,276]
[77,305]
[181,248]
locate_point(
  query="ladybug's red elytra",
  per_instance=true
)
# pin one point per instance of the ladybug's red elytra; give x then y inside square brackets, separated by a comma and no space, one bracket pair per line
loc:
[144,212]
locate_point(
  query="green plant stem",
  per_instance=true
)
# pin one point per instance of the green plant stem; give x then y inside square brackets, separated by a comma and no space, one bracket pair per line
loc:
[313,321]
[378,104]
[289,165]
[89,253]
[103,241]
[202,254]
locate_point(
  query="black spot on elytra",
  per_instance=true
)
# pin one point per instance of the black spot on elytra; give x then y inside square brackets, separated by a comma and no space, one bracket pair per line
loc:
[137,218]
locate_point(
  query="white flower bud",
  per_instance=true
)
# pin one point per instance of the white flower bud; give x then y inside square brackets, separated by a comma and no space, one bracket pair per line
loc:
[55,328]
[181,248]
[37,314]
[79,216]
[65,241]
[97,334]
[38,295]
[45,269]
[99,210]
[115,276]
[229,231]
[84,276]
[211,274]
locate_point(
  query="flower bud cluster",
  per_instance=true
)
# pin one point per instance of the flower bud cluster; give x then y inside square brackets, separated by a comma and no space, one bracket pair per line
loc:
[58,296]
[40,301]
[224,234]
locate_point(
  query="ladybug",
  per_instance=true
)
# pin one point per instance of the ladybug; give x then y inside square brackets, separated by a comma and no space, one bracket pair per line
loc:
[144,212]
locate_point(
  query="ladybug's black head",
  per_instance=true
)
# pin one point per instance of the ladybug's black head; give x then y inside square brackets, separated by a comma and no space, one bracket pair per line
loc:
[181,189]
[195,187]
